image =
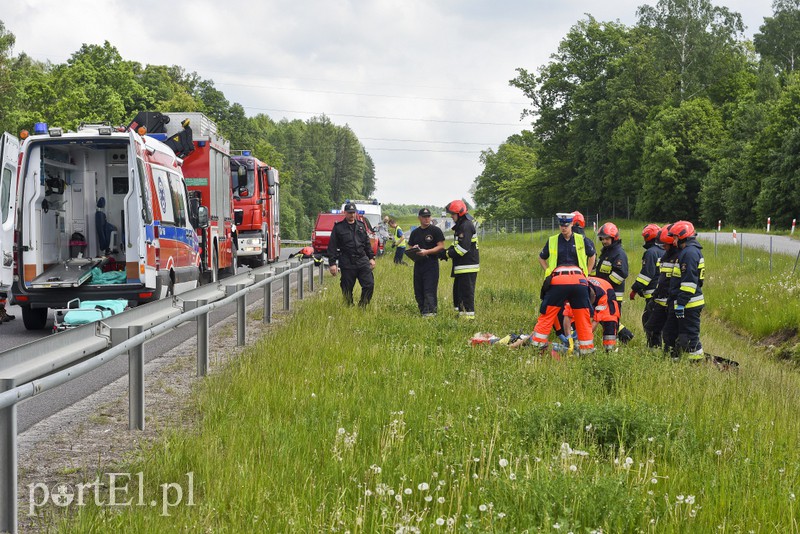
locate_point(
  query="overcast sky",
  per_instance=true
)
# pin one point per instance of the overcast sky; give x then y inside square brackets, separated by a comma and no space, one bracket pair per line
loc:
[422,83]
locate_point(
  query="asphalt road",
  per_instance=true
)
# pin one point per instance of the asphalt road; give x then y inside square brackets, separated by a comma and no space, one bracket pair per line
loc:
[780,244]
[33,410]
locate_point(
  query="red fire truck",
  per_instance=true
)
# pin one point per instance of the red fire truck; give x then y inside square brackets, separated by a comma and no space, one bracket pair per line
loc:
[207,170]
[257,209]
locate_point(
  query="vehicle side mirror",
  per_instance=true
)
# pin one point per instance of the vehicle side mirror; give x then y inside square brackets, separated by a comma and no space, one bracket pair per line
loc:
[271,190]
[238,217]
[271,181]
[202,217]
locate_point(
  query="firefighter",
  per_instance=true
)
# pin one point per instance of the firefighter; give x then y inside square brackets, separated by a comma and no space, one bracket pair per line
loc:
[566,258]
[466,261]
[350,252]
[578,223]
[658,313]
[682,329]
[612,266]
[425,243]
[398,241]
[307,253]
[645,284]
[606,312]
[4,315]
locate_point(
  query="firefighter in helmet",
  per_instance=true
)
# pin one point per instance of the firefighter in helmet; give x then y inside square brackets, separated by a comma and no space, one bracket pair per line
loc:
[645,284]
[578,223]
[658,314]
[566,258]
[466,261]
[612,266]
[682,329]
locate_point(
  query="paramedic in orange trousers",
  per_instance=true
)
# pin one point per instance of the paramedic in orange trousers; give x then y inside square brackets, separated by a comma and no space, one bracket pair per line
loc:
[566,259]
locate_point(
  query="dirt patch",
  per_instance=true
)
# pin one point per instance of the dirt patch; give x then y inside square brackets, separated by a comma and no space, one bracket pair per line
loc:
[91,438]
[781,337]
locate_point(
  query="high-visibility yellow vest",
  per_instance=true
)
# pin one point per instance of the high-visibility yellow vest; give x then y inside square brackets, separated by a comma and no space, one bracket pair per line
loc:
[580,249]
[402,239]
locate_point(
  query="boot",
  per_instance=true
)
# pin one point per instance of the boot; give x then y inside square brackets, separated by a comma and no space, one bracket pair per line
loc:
[5,317]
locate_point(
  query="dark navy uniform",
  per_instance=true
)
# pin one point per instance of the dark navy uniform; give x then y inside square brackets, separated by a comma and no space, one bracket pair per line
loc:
[426,268]
[350,248]
[612,266]
[685,291]
[658,314]
[466,264]
[646,281]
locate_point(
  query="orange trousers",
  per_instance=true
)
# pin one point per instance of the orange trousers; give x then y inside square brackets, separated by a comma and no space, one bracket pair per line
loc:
[568,285]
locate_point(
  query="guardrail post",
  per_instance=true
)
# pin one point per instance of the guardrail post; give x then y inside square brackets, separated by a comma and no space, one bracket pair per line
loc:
[135,382]
[267,302]
[321,273]
[287,285]
[241,311]
[202,340]
[300,284]
[311,276]
[8,463]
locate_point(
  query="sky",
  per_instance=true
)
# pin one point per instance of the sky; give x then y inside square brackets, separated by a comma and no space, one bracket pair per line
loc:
[422,83]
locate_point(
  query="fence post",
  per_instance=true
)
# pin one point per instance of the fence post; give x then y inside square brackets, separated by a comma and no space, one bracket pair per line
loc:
[135,382]
[8,463]
[300,284]
[202,340]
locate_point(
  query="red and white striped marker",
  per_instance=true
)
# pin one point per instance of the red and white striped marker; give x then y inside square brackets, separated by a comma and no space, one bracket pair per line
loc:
[719,225]
[769,222]
[594,226]
[734,235]
[794,221]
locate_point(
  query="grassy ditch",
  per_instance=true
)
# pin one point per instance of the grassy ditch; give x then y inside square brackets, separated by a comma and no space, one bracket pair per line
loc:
[382,421]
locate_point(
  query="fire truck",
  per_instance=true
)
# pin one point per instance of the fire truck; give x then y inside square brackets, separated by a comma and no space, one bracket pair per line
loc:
[256,203]
[206,170]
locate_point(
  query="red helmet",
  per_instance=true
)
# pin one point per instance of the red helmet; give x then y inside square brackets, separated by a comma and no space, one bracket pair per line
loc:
[650,232]
[456,207]
[682,230]
[665,237]
[577,218]
[609,230]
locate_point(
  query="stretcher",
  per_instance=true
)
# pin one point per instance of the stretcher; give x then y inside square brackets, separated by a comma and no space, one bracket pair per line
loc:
[79,312]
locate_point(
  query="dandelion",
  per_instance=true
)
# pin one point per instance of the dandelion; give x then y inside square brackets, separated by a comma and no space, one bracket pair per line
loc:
[690,499]
[791,496]
[341,431]
[628,462]
[407,491]
[476,460]
[367,493]
[556,526]
[718,452]
[313,395]
[482,508]
[474,476]
[692,512]
[513,476]
[440,521]
[423,486]
[503,462]
[411,392]
[588,427]
[651,439]
[501,515]
[573,468]
[442,482]
[736,427]
[680,498]
[558,404]
[398,498]
[781,470]
[440,500]
[451,521]
[653,481]
[376,469]
[428,498]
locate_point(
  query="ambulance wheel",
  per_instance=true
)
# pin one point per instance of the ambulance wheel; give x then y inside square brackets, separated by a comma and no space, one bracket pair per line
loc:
[34,318]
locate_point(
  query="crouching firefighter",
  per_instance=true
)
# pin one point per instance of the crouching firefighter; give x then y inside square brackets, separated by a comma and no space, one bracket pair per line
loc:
[307,253]
[466,261]
[682,330]
[603,299]
[566,258]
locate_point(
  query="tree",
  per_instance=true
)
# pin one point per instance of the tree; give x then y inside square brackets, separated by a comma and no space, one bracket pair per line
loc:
[778,40]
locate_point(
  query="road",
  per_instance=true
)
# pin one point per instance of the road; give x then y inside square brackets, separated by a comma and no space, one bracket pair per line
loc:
[780,244]
[33,410]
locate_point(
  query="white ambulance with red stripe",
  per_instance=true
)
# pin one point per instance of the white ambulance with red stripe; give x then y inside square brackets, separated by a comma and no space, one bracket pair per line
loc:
[101,213]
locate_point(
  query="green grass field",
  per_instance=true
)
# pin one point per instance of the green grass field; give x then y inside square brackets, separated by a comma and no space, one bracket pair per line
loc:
[381,421]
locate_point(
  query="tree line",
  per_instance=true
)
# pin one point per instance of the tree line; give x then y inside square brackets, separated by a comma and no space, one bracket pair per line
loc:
[320,163]
[676,117]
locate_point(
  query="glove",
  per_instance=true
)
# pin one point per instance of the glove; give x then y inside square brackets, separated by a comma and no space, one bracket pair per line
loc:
[564,339]
[632,294]
[680,311]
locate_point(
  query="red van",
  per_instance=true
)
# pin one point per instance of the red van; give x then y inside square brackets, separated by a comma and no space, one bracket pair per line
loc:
[322,231]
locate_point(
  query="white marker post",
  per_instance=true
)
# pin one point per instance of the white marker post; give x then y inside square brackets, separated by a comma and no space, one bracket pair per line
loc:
[769,222]
[734,235]
[719,225]
[794,221]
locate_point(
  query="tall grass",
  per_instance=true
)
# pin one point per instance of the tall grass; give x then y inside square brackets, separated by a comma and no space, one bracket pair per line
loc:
[383,421]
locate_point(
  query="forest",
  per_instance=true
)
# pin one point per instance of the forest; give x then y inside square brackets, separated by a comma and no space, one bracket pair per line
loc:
[320,163]
[676,117]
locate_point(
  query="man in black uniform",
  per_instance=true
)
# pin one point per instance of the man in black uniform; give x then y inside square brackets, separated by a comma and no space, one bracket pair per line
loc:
[424,246]
[350,252]
[646,282]
[466,260]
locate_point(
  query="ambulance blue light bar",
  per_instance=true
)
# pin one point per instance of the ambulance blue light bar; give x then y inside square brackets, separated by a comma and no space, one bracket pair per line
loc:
[40,128]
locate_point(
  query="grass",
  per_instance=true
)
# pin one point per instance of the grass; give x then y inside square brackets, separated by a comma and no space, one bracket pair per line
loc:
[382,421]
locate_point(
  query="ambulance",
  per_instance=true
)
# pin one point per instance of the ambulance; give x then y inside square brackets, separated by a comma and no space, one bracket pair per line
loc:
[99,213]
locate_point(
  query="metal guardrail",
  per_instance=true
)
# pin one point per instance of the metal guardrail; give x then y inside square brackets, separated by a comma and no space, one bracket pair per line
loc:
[290,242]
[35,367]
